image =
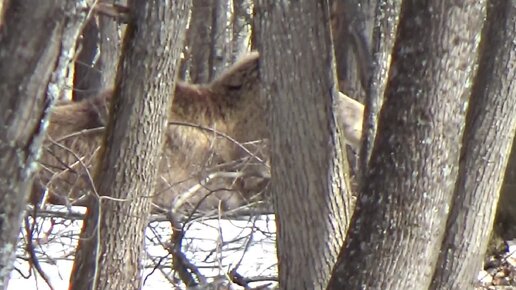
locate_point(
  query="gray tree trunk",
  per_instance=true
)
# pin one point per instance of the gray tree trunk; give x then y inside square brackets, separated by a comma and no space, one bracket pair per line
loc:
[208,40]
[241,28]
[87,74]
[220,37]
[311,194]
[399,223]
[110,49]
[384,35]
[199,47]
[31,35]
[352,23]
[96,64]
[505,227]
[149,65]
[488,136]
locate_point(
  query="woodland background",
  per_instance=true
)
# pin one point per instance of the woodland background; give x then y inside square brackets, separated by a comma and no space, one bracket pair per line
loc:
[414,208]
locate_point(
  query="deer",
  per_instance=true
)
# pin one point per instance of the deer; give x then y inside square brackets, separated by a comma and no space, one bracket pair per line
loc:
[215,153]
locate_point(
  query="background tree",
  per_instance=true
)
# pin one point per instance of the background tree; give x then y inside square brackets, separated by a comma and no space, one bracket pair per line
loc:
[401,215]
[489,133]
[505,228]
[384,35]
[312,200]
[199,41]
[217,35]
[352,23]
[114,230]
[505,225]
[98,53]
[311,195]
[241,20]
[31,42]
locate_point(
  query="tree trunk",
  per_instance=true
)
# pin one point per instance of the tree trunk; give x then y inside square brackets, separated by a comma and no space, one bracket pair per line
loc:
[488,136]
[398,226]
[311,194]
[86,69]
[109,45]
[145,82]
[221,34]
[505,227]
[352,22]
[241,28]
[200,49]
[209,40]
[384,35]
[30,43]
[96,64]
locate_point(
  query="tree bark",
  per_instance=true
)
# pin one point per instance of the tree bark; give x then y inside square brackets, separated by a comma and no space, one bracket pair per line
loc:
[145,82]
[384,35]
[488,136]
[311,194]
[30,38]
[63,72]
[352,23]
[196,39]
[241,28]
[86,68]
[221,34]
[209,40]
[95,67]
[200,49]
[398,226]
[109,45]
[505,228]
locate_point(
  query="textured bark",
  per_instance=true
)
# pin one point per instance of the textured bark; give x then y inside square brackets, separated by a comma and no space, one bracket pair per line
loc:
[213,40]
[488,136]
[398,226]
[506,213]
[217,37]
[30,36]
[62,77]
[241,28]
[311,195]
[200,49]
[86,71]
[352,22]
[384,35]
[221,34]
[505,227]
[109,50]
[97,60]
[145,81]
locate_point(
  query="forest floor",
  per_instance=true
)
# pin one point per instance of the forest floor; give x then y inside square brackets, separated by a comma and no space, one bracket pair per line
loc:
[244,247]
[500,270]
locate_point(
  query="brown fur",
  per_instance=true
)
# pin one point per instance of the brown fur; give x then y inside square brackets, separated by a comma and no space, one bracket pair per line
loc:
[231,105]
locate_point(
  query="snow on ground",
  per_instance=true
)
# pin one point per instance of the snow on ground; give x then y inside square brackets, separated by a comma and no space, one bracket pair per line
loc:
[214,246]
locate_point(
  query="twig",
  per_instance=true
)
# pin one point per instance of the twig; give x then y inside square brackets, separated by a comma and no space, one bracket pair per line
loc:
[33,259]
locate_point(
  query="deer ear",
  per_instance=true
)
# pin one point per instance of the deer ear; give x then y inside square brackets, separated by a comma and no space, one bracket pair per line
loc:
[350,114]
[239,74]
